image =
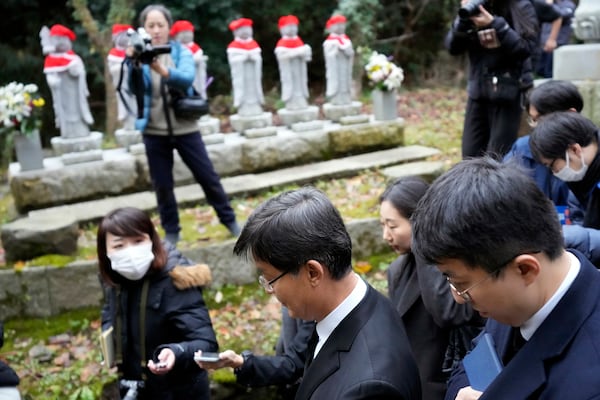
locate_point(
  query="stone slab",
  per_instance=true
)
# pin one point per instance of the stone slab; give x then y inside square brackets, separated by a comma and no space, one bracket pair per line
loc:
[577,62]
[428,170]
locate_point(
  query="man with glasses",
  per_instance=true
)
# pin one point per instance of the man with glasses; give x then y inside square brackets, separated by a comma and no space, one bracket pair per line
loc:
[303,252]
[494,234]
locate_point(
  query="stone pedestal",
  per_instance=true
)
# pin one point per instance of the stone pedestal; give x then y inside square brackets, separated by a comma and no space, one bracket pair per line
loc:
[209,125]
[89,146]
[242,123]
[289,117]
[336,112]
[577,62]
[127,137]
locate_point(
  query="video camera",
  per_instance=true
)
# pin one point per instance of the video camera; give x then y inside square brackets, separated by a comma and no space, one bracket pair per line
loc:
[143,50]
[470,9]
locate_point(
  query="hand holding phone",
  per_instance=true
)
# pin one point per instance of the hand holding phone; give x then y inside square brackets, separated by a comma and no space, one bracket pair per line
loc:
[207,357]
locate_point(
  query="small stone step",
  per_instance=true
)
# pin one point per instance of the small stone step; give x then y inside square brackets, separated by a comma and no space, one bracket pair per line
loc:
[428,170]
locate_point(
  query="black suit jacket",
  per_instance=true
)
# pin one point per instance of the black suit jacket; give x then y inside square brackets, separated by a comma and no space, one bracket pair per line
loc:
[367,356]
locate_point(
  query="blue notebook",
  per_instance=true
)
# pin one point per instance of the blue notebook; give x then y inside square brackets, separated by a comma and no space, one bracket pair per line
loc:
[482,364]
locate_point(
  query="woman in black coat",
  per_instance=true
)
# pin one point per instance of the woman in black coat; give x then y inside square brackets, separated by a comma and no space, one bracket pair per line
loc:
[438,328]
[154,303]
[8,377]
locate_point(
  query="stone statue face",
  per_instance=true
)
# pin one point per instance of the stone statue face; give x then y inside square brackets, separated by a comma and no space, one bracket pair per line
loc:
[289,30]
[121,40]
[62,44]
[338,29]
[245,32]
[185,37]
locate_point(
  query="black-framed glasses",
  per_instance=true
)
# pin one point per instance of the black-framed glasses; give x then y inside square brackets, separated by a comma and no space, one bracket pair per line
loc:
[268,285]
[464,294]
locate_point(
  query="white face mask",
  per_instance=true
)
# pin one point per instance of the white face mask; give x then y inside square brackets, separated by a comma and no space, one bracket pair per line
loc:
[132,262]
[568,174]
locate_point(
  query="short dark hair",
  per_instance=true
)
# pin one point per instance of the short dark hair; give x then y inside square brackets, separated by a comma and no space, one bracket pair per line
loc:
[155,7]
[294,227]
[483,212]
[555,95]
[127,222]
[404,194]
[556,131]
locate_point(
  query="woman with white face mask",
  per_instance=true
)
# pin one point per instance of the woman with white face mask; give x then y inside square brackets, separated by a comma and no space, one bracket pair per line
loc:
[438,328]
[567,143]
[154,304]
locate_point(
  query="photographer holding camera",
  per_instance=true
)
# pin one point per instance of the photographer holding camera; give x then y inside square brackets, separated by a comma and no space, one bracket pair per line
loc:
[499,37]
[158,67]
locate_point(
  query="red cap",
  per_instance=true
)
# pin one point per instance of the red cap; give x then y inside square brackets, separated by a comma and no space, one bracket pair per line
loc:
[118,28]
[336,19]
[181,26]
[61,30]
[288,20]
[238,23]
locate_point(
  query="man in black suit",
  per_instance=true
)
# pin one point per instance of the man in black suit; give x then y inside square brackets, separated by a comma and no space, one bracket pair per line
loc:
[303,252]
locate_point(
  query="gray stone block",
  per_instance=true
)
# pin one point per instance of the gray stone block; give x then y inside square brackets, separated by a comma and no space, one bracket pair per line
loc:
[377,135]
[76,283]
[428,170]
[28,238]
[366,237]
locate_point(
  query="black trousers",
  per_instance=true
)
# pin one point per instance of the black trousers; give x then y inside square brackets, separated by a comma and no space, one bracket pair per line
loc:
[159,150]
[490,128]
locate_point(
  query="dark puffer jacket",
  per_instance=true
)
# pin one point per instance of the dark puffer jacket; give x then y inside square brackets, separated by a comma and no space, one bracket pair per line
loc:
[8,377]
[175,317]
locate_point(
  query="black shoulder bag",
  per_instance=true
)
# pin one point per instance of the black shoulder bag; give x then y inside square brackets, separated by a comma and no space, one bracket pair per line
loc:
[187,106]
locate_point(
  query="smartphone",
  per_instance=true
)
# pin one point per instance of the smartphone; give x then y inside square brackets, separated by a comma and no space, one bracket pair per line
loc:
[207,357]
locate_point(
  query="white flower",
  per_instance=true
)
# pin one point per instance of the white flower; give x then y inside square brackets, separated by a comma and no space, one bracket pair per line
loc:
[382,73]
[17,105]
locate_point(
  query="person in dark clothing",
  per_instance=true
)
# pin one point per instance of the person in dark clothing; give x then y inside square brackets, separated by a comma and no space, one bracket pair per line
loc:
[283,369]
[499,41]
[439,329]
[567,143]
[550,17]
[9,380]
[163,132]
[566,9]
[154,304]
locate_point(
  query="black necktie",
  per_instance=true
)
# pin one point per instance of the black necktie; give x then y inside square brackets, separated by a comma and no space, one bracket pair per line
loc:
[310,350]
[516,342]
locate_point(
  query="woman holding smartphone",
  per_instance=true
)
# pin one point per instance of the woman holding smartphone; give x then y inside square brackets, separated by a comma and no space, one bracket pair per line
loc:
[154,305]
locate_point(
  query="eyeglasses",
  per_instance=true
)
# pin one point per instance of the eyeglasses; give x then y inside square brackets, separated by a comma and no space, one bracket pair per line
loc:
[465,293]
[268,285]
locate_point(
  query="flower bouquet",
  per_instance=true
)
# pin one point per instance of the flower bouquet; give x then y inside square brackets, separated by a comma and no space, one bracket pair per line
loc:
[382,73]
[20,108]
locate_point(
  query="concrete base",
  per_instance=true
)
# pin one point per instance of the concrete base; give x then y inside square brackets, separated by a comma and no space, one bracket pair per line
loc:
[213,138]
[81,157]
[289,117]
[72,145]
[307,126]
[241,123]
[260,132]
[126,137]
[335,112]
[577,62]
[209,125]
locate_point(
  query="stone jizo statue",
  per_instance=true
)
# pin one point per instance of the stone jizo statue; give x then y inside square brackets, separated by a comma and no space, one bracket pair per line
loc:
[126,103]
[339,56]
[245,61]
[65,74]
[183,32]
[292,56]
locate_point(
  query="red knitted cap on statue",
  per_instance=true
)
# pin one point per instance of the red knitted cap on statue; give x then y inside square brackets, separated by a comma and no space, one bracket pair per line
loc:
[181,26]
[336,19]
[238,23]
[288,20]
[118,28]
[61,30]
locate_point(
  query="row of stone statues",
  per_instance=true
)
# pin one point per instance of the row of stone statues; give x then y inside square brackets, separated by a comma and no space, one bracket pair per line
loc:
[65,71]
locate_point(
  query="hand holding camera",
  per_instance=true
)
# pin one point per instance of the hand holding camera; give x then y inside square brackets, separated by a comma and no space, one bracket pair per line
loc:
[140,47]
[474,10]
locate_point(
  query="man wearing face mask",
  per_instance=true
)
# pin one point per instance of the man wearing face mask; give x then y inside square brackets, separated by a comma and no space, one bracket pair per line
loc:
[154,304]
[567,143]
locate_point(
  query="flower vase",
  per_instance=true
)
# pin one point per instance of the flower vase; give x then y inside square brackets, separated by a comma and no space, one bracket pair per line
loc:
[28,149]
[385,107]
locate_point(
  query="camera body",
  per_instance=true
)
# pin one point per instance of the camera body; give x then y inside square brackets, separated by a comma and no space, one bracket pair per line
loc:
[470,9]
[143,50]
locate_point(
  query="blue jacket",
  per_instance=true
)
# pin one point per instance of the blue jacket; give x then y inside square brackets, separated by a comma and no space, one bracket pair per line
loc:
[180,77]
[562,358]
[555,189]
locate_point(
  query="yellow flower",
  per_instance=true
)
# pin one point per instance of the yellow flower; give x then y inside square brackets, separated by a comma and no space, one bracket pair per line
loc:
[39,102]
